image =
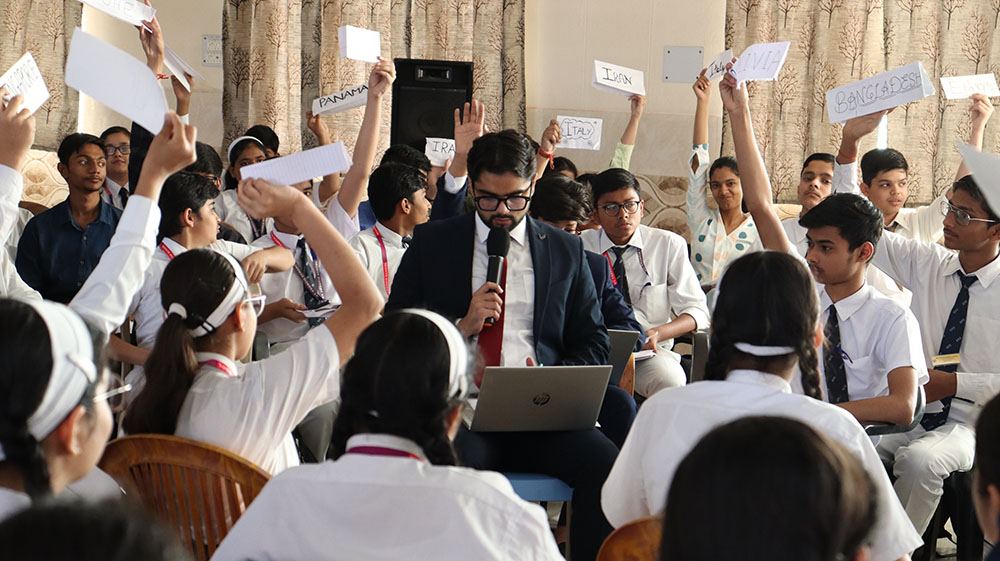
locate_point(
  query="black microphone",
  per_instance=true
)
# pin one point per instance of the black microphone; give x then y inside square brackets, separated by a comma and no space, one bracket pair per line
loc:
[497,244]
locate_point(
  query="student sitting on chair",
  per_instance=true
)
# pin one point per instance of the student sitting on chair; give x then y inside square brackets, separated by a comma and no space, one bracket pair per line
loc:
[986,475]
[116,148]
[395,468]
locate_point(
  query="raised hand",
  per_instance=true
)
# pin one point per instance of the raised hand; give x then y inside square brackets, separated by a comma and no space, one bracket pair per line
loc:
[260,199]
[152,43]
[550,137]
[17,132]
[734,95]
[318,127]
[381,78]
[182,94]
[638,102]
[469,125]
[981,110]
[702,87]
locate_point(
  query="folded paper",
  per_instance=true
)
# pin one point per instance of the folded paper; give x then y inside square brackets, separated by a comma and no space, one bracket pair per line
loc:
[761,61]
[962,87]
[341,101]
[439,150]
[359,44]
[618,79]
[300,166]
[883,91]
[717,67]
[25,79]
[129,11]
[580,132]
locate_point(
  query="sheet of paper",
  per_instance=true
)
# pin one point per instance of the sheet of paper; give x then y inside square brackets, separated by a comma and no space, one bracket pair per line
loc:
[301,166]
[618,79]
[25,79]
[643,355]
[178,67]
[439,150]
[762,61]
[341,101]
[717,67]
[116,79]
[359,44]
[962,87]
[321,312]
[882,91]
[985,168]
[129,11]
[580,132]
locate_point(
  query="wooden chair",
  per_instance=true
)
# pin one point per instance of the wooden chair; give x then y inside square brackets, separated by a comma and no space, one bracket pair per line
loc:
[638,540]
[627,381]
[196,488]
[33,207]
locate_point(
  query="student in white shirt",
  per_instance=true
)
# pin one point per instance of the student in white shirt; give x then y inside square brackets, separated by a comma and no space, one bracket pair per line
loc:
[17,132]
[398,196]
[194,387]
[986,477]
[395,467]
[651,268]
[117,150]
[717,236]
[244,151]
[956,299]
[765,330]
[767,466]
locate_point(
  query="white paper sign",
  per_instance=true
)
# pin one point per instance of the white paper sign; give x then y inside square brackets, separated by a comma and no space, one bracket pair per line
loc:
[301,166]
[882,91]
[618,79]
[341,101]
[25,79]
[116,79]
[178,67]
[580,132]
[762,61]
[129,11]
[962,87]
[985,168]
[717,67]
[439,150]
[359,44]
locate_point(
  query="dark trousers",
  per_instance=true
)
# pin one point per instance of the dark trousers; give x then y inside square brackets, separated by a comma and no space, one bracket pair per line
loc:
[617,413]
[582,459]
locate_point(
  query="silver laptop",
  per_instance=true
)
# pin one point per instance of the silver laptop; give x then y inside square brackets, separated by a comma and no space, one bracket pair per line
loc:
[622,343]
[538,398]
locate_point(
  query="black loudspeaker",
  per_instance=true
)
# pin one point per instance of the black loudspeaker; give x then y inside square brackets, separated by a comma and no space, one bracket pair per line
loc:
[424,97]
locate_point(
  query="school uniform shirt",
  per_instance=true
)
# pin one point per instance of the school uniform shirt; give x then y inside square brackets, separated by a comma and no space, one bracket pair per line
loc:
[23,215]
[929,271]
[380,257]
[114,194]
[251,409]
[341,221]
[288,284]
[674,420]
[11,189]
[12,502]
[877,335]
[661,280]
[56,255]
[365,507]
[519,294]
[712,249]
[229,211]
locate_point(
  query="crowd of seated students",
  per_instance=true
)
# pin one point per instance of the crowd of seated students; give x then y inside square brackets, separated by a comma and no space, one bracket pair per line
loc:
[380,317]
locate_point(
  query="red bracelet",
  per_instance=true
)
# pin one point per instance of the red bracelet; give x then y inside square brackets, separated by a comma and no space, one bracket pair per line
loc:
[551,157]
[162,76]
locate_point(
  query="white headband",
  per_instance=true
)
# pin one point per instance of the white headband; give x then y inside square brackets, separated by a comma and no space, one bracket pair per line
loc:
[73,367]
[763,350]
[458,352]
[229,153]
[226,307]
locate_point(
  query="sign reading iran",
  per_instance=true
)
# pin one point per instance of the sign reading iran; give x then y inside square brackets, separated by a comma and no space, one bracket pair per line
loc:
[618,79]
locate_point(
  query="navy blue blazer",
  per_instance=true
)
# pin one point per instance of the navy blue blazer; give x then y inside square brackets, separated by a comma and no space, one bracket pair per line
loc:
[447,205]
[436,273]
[617,314]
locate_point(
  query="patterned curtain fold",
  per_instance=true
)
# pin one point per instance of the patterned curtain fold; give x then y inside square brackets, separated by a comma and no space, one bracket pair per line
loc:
[836,42]
[280,55]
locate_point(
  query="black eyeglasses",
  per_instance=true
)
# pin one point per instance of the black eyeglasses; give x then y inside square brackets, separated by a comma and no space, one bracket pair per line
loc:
[513,203]
[614,209]
[961,216]
[124,149]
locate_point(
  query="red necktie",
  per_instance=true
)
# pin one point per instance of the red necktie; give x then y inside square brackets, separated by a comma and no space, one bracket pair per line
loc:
[491,337]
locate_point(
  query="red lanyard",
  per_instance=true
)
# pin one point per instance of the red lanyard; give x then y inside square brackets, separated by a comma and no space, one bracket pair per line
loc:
[111,198]
[382,451]
[385,259]
[170,254]
[316,291]
[642,263]
[219,365]
[614,279]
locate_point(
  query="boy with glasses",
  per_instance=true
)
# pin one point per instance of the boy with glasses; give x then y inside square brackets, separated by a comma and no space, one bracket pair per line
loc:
[116,150]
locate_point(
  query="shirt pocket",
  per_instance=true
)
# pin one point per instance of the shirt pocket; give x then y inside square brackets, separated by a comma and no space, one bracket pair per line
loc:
[866,378]
[655,304]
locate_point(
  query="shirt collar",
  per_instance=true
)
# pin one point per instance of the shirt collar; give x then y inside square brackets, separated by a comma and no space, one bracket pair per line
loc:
[203,357]
[105,214]
[986,274]
[605,243]
[519,234]
[290,241]
[847,306]
[391,237]
[386,441]
[113,185]
[757,378]
[174,247]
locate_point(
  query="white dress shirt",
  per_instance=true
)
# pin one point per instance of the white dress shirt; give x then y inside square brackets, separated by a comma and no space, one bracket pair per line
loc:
[877,335]
[253,413]
[288,284]
[661,279]
[11,189]
[12,502]
[229,211]
[674,420]
[369,250]
[928,270]
[519,294]
[342,222]
[365,508]
[111,193]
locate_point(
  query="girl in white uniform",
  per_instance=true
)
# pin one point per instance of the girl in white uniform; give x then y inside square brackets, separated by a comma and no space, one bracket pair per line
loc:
[401,406]
[194,386]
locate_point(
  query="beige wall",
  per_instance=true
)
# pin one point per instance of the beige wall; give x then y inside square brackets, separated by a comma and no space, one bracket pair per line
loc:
[563,37]
[183,23]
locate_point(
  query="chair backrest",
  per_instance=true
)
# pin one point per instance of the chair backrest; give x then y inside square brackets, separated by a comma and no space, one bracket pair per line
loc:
[627,381]
[638,540]
[699,355]
[196,488]
[878,429]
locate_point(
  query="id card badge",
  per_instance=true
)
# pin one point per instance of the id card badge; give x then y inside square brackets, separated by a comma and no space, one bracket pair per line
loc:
[946,360]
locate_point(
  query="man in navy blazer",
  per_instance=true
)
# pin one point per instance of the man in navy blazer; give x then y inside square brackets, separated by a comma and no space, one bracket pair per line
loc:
[566,327]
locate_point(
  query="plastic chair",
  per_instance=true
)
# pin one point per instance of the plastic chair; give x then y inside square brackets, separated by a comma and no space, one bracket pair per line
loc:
[956,503]
[199,489]
[539,488]
[638,540]
[699,355]
[889,428]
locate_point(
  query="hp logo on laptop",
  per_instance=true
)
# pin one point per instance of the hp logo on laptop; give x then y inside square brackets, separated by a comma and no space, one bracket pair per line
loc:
[541,399]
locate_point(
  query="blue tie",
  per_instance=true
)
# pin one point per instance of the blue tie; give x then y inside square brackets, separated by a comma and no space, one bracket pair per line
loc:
[951,342]
[834,369]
